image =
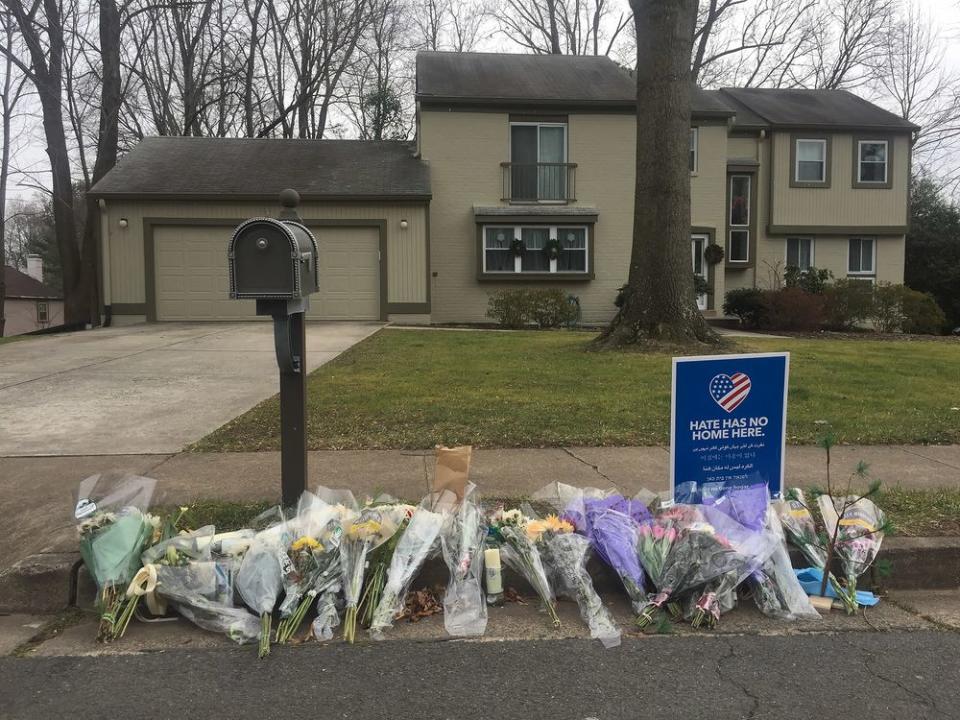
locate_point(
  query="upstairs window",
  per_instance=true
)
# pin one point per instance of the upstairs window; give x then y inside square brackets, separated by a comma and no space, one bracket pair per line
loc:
[872,166]
[694,140]
[541,249]
[811,156]
[538,156]
[800,253]
[862,256]
[739,240]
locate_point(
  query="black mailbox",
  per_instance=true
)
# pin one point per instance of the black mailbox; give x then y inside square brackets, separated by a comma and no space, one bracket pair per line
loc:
[273,260]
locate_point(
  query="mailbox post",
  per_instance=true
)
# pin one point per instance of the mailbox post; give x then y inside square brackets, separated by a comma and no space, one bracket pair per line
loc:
[275,263]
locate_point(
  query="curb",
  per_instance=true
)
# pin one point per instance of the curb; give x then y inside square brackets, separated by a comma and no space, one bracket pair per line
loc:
[49,582]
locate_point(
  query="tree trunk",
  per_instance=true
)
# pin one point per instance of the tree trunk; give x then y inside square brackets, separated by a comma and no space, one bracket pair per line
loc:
[659,303]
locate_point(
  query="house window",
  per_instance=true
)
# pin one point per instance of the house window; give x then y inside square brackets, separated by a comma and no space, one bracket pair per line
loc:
[538,156]
[43,312]
[862,256]
[739,245]
[539,245]
[872,161]
[694,140]
[811,158]
[800,253]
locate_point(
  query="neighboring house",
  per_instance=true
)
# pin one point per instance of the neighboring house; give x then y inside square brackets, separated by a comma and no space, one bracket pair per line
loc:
[29,304]
[529,147]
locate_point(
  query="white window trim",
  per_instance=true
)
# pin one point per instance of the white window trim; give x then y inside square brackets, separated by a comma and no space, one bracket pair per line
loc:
[860,161]
[739,228]
[873,258]
[46,310]
[823,163]
[695,135]
[813,250]
[517,232]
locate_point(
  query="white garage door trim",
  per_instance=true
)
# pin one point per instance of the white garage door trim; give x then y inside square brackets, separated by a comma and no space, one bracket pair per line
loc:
[151,224]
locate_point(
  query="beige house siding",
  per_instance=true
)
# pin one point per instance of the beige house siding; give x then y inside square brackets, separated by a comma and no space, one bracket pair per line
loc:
[464,151]
[830,252]
[406,248]
[742,148]
[21,315]
[840,205]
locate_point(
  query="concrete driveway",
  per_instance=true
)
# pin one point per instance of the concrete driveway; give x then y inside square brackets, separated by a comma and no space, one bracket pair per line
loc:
[143,389]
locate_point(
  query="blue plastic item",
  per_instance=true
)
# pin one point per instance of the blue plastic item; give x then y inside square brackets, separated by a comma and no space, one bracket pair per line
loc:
[812,578]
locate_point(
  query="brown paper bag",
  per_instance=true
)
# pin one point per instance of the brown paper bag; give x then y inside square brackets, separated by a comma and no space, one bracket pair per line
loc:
[453,469]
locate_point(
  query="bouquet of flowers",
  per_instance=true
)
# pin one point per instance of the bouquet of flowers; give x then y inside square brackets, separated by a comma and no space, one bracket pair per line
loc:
[260,577]
[655,539]
[737,518]
[114,530]
[564,554]
[519,539]
[698,555]
[380,558]
[612,524]
[314,566]
[415,545]
[461,541]
[801,529]
[776,590]
[363,531]
[856,524]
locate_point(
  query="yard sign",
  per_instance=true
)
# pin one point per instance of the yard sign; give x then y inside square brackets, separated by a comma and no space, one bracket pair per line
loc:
[728,420]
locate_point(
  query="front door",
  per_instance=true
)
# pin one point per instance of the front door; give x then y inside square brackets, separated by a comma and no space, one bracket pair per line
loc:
[698,244]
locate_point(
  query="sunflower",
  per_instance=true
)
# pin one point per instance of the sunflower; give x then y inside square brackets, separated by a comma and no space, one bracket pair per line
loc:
[555,524]
[534,529]
[305,543]
[364,530]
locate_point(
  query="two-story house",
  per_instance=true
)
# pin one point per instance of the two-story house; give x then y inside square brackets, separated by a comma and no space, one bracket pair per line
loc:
[522,172]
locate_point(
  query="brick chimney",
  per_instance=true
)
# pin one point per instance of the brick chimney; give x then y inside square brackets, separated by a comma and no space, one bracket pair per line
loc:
[35,267]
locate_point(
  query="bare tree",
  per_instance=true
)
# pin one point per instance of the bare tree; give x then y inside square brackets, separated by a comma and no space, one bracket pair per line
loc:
[915,77]
[14,87]
[658,301]
[562,27]
[849,41]
[40,27]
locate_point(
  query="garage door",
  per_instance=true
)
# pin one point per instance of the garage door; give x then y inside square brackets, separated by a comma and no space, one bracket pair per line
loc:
[192,281]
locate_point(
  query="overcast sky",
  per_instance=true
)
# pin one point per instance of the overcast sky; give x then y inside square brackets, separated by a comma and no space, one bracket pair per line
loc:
[30,156]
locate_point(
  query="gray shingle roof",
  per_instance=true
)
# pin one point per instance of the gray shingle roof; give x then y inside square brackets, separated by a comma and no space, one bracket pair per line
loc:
[816,108]
[245,167]
[536,80]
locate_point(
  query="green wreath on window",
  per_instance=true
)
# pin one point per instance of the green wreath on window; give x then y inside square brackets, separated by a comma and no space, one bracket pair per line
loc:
[713,254]
[552,249]
[517,246]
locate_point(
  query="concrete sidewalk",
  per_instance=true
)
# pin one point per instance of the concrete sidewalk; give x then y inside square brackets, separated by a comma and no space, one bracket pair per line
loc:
[36,494]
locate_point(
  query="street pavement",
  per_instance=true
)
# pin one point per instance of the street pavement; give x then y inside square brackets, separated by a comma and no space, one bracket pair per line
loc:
[856,675]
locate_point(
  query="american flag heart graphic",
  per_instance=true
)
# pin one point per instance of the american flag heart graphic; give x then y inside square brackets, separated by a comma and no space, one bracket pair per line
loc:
[728,391]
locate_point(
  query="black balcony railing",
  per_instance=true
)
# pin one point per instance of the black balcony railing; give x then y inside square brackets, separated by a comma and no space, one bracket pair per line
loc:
[539,182]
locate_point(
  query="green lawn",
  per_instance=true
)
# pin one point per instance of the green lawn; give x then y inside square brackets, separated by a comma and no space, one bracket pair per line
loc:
[414,389]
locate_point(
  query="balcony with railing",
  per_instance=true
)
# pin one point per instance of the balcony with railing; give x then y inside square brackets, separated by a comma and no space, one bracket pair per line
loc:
[539,182]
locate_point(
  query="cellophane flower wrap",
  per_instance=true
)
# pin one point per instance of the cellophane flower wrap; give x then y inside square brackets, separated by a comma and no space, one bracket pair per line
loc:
[564,554]
[775,587]
[363,531]
[461,541]
[655,539]
[858,524]
[114,530]
[520,551]
[380,558]
[801,530]
[314,561]
[612,523]
[738,517]
[419,540]
[698,555]
[260,577]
